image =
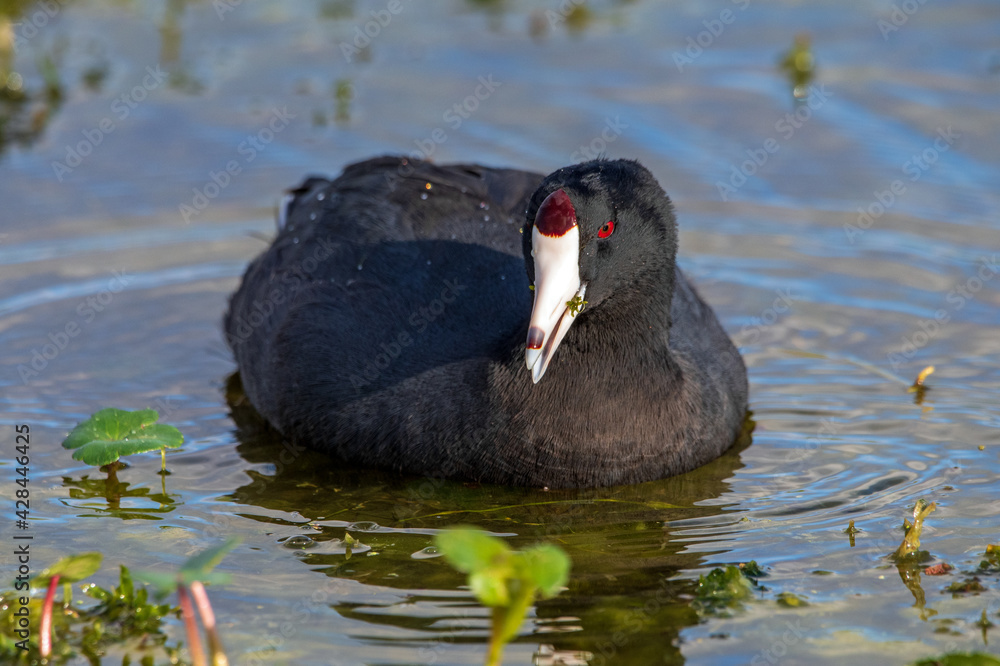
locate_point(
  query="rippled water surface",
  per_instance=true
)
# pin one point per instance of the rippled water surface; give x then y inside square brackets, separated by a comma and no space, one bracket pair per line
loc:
[132,200]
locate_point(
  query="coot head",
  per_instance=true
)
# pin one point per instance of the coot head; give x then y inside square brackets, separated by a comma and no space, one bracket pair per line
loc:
[599,236]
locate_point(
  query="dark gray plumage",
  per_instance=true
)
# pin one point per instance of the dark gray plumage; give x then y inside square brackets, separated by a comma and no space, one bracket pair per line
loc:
[386,324]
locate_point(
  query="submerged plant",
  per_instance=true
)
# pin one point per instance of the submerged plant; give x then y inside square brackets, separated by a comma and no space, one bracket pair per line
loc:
[723,591]
[505,580]
[111,433]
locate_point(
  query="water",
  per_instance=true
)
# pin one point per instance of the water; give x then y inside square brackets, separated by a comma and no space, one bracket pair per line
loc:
[116,265]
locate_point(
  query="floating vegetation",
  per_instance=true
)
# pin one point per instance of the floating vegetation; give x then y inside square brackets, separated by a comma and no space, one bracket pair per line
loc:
[789,600]
[111,433]
[918,387]
[343,94]
[851,531]
[911,541]
[969,585]
[991,559]
[722,591]
[799,66]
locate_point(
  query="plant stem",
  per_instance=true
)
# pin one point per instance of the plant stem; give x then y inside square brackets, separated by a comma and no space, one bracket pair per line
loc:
[216,653]
[45,639]
[190,624]
[495,650]
[507,620]
[163,459]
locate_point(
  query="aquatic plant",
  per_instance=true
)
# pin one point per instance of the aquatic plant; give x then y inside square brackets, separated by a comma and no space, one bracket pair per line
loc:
[122,614]
[503,579]
[911,541]
[70,570]
[189,582]
[724,590]
[111,433]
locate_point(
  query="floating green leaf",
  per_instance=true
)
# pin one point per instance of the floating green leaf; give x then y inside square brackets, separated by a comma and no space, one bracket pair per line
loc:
[111,433]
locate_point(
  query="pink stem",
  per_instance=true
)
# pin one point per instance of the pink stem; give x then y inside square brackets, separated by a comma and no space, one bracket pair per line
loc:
[216,654]
[194,640]
[45,640]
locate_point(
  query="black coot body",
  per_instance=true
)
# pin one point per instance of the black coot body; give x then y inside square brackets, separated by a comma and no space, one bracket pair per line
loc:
[387,325]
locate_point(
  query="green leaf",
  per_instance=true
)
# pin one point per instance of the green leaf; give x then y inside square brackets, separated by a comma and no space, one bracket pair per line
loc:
[197,568]
[111,433]
[490,587]
[163,582]
[199,565]
[790,600]
[70,569]
[546,566]
[722,591]
[471,550]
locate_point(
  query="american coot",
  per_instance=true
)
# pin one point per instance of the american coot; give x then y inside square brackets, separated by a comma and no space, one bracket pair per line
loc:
[487,324]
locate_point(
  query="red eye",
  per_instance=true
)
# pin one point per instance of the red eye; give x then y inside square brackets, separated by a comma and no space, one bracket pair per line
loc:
[606,230]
